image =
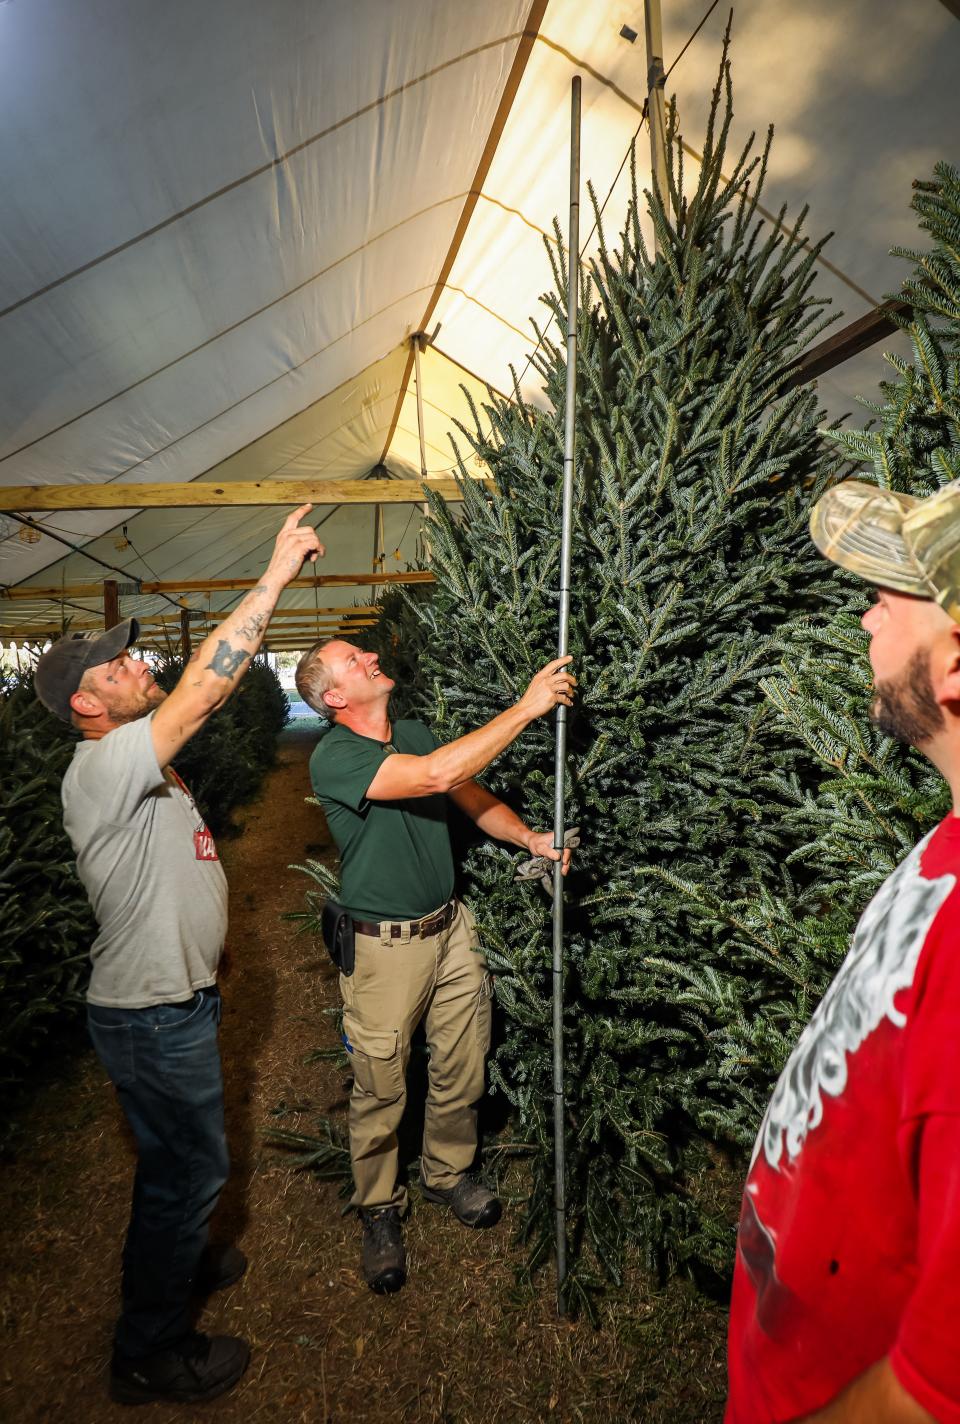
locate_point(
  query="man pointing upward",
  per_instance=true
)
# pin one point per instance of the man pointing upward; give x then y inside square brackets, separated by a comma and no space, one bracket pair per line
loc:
[151,871]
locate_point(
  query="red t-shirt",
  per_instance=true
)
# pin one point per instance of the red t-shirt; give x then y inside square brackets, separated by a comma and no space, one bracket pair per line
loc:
[849,1241]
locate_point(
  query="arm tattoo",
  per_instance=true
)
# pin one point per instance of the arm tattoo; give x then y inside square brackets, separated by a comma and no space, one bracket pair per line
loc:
[227,660]
[255,624]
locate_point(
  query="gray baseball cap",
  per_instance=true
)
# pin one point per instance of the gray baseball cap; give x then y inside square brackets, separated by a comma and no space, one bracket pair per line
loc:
[58,673]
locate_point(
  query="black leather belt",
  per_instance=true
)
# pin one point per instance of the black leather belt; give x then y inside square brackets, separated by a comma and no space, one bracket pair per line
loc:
[412,929]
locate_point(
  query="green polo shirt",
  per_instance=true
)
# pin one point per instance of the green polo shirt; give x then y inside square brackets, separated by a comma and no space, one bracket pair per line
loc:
[395,856]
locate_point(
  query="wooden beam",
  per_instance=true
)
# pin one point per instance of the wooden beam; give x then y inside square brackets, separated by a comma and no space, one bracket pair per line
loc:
[279,615]
[111,604]
[296,645]
[93,590]
[202,494]
[292,640]
[153,628]
[849,341]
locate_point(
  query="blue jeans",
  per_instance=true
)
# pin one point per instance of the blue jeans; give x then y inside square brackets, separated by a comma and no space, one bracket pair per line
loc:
[165,1064]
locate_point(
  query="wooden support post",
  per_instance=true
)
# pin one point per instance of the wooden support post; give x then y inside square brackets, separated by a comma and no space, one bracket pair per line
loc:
[111,604]
[185,644]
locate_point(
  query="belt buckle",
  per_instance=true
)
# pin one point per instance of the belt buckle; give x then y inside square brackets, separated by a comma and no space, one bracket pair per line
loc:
[430,924]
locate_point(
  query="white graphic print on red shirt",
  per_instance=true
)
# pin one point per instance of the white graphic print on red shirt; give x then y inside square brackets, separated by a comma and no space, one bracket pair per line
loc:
[882,961]
[831,1272]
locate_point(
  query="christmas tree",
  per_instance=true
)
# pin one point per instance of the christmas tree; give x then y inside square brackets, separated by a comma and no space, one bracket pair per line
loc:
[871,799]
[696,465]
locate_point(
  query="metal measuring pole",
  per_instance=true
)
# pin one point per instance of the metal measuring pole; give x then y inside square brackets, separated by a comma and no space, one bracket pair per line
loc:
[569,428]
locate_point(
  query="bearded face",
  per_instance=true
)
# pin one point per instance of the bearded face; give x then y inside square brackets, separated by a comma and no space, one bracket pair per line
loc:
[125,687]
[133,703]
[905,707]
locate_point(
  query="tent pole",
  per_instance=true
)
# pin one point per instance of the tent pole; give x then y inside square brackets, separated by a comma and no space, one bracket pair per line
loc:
[420,340]
[569,430]
[656,117]
[423,447]
[377,564]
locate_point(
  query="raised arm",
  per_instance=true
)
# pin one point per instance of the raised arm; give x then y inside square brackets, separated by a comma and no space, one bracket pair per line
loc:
[401,777]
[222,659]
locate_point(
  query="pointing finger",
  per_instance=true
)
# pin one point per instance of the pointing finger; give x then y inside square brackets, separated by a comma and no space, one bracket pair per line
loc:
[293,519]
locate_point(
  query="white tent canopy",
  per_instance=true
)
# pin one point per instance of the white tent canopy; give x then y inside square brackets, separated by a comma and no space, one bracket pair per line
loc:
[223,222]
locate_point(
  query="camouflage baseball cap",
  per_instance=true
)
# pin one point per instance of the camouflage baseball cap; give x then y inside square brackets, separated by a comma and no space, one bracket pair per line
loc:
[894,540]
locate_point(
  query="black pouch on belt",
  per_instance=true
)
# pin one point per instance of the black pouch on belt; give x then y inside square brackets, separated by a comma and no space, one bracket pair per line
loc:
[337,926]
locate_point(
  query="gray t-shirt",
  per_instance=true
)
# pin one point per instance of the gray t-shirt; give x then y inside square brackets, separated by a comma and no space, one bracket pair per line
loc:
[150,869]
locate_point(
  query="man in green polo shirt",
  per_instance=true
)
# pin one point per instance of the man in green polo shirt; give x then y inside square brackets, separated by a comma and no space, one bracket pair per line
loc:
[384,789]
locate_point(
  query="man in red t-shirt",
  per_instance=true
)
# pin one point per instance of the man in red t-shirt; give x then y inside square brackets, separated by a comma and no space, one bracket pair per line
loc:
[848,1258]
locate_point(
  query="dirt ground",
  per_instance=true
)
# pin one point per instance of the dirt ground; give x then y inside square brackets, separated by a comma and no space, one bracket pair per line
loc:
[463,1343]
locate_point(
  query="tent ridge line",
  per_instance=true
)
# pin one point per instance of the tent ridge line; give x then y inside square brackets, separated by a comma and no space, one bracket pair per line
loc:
[528,38]
[258,172]
[472,374]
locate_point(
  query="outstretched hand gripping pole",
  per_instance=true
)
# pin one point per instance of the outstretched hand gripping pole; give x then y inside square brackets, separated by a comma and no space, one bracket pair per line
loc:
[559,817]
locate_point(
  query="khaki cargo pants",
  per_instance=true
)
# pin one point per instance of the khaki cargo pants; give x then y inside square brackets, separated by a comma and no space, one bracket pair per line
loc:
[441,980]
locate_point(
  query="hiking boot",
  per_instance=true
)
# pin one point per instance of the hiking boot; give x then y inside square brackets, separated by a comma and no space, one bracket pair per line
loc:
[199,1368]
[469,1201]
[220,1266]
[383,1256]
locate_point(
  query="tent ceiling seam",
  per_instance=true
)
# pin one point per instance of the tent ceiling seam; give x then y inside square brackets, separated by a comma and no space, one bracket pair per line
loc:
[515,212]
[472,374]
[462,292]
